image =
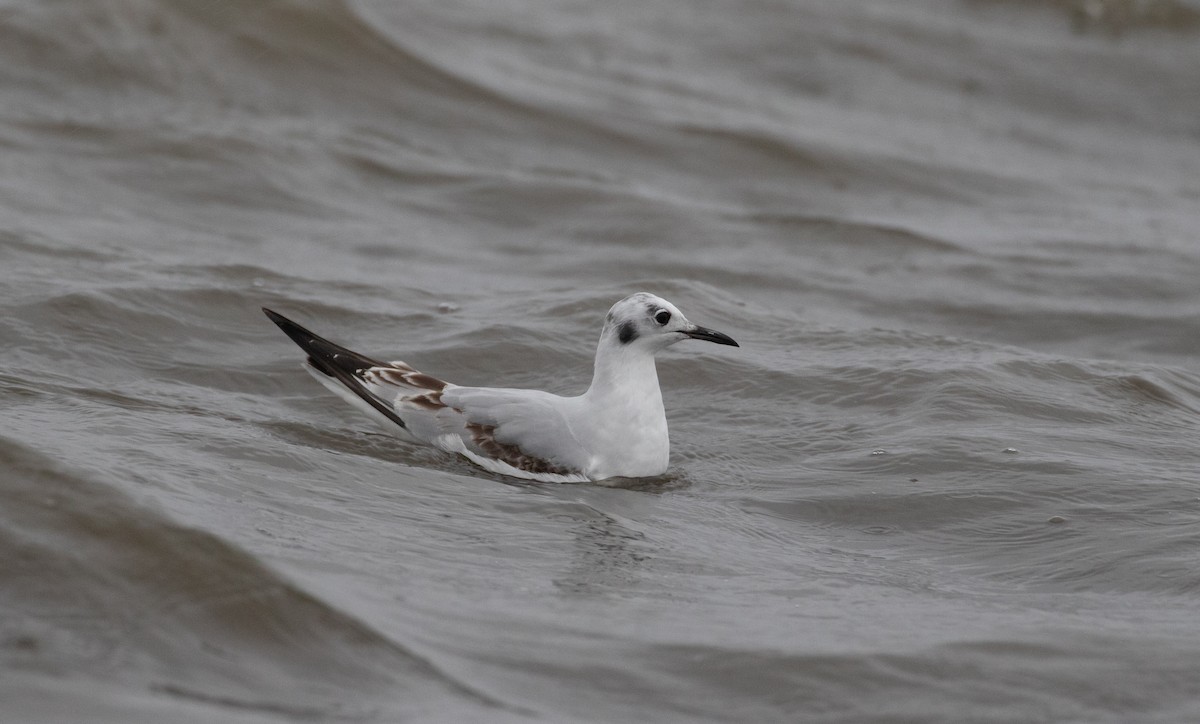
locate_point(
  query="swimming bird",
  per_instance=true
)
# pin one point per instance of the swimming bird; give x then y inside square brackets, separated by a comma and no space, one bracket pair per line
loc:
[617,428]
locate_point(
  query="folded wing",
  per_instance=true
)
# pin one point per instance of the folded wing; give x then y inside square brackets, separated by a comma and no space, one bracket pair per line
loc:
[528,430]
[525,433]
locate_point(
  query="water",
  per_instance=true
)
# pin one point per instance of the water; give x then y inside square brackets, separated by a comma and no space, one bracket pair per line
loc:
[950,475]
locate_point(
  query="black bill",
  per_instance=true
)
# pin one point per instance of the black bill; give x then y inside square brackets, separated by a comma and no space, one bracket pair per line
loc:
[711,335]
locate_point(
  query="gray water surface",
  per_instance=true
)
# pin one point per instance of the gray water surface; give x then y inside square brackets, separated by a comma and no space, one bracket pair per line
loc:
[950,476]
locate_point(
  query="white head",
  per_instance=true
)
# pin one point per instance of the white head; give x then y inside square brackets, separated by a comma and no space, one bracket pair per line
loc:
[644,321]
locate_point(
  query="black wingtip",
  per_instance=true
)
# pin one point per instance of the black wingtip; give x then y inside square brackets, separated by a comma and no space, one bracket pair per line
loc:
[299,335]
[335,361]
[323,352]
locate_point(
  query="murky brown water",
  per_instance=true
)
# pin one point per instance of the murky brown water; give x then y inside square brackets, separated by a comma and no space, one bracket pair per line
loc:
[951,475]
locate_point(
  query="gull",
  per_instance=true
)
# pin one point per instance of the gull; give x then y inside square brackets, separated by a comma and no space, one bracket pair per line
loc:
[617,428]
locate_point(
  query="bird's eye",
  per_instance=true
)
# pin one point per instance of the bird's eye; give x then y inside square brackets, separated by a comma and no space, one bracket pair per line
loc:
[662,317]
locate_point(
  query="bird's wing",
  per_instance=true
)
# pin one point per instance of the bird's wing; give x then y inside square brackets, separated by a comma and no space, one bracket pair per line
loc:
[528,430]
[368,384]
[526,433]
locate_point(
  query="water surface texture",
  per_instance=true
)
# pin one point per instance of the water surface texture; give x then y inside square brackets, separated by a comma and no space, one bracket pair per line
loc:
[952,474]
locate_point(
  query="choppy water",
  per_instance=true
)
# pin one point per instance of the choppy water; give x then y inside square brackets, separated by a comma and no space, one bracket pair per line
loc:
[951,475]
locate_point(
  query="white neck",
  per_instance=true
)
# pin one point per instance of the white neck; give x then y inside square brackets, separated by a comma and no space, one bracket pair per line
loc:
[625,409]
[623,371]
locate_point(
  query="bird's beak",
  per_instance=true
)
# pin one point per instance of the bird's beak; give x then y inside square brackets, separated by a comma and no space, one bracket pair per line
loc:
[711,335]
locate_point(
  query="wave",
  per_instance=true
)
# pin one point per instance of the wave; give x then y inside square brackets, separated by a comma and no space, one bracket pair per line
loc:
[96,584]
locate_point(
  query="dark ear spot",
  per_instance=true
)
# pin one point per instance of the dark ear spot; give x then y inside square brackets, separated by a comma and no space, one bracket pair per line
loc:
[626,332]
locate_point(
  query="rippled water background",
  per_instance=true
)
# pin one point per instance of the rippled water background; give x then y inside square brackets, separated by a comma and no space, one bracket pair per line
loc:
[951,475]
